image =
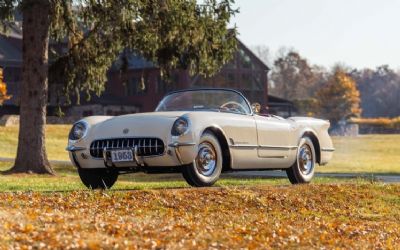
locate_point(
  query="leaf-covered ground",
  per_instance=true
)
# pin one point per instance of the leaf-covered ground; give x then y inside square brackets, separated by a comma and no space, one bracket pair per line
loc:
[306,216]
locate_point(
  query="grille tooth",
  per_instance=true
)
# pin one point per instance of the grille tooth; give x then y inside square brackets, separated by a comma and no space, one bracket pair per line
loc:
[146,146]
[150,147]
[97,148]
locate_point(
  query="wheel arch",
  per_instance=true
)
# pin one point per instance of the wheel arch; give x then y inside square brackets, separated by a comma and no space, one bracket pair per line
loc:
[226,154]
[315,142]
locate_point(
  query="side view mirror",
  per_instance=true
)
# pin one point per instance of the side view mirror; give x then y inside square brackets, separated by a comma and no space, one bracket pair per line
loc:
[256,107]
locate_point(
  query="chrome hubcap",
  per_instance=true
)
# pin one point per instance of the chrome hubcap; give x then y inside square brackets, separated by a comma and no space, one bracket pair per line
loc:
[305,159]
[206,159]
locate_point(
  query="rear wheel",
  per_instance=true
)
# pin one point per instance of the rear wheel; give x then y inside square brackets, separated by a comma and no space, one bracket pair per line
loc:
[302,171]
[206,168]
[101,178]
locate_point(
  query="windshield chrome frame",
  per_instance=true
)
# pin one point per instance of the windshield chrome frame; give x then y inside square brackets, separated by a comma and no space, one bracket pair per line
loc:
[209,89]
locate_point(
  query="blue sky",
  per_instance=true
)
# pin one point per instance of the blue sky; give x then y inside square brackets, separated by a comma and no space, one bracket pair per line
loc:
[359,33]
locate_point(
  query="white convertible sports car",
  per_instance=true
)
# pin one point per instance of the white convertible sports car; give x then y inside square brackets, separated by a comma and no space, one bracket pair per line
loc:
[200,133]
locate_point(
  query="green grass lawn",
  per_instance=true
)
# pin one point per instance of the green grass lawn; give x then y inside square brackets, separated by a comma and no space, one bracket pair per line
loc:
[56,141]
[365,154]
[362,154]
[67,179]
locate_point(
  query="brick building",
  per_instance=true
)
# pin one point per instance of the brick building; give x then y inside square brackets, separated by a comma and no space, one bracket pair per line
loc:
[140,87]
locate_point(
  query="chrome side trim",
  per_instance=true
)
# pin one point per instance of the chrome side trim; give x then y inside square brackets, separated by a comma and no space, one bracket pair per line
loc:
[284,148]
[274,157]
[327,149]
[181,144]
[245,146]
[74,149]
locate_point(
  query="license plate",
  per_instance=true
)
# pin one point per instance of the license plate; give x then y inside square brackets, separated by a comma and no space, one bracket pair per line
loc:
[121,155]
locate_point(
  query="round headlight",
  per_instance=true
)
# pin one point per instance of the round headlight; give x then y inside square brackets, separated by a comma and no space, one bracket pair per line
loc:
[180,127]
[78,131]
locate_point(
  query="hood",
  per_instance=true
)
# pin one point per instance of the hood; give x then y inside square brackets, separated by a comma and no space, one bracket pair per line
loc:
[136,125]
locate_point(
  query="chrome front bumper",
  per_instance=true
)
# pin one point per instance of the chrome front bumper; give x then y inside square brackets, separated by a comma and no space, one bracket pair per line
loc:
[138,160]
[176,154]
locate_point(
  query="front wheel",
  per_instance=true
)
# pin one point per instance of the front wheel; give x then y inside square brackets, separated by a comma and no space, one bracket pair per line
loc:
[302,171]
[206,168]
[101,178]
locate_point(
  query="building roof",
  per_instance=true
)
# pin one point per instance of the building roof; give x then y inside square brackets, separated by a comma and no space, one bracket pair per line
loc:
[132,60]
[11,52]
[136,61]
[252,55]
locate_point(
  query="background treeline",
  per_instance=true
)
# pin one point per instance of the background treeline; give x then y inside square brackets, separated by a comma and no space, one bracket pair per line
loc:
[309,86]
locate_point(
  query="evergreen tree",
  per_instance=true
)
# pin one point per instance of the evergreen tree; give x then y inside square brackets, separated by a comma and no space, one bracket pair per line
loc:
[171,33]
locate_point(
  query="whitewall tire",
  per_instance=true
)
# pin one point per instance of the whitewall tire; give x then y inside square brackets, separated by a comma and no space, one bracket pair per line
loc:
[302,171]
[207,167]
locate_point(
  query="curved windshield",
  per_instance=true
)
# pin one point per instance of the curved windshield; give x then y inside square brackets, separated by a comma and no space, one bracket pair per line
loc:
[209,99]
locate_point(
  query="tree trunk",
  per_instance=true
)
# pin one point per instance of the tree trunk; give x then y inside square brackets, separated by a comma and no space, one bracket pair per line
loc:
[31,153]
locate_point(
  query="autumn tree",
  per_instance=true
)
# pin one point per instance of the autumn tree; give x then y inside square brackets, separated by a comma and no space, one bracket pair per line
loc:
[171,33]
[3,89]
[339,98]
[291,76]
[380,91]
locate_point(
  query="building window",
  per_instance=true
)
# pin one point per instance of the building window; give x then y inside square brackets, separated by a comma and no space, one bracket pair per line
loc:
[230,80]
[165,86]
[246,82]
[137,85]
[245,60]
[231,64]
[259,85]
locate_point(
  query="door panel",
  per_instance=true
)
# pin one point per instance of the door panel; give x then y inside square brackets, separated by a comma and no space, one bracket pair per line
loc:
[241,133]
[275,138]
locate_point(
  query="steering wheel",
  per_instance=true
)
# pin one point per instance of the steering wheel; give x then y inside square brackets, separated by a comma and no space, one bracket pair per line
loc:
[233,106]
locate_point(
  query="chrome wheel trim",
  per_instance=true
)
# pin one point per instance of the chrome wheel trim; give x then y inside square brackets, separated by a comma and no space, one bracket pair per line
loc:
[206,159]
[305,159]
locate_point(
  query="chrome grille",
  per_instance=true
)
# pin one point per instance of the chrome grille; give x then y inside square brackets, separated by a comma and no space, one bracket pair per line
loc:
[146,146]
